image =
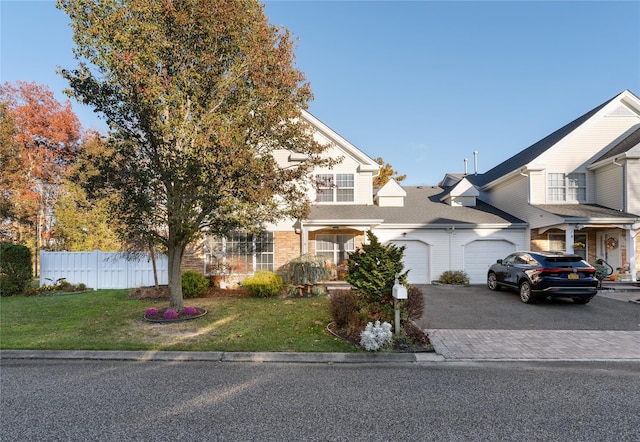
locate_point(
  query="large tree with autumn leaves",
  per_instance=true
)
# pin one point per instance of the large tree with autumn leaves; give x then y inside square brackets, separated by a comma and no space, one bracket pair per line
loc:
[40,138]
[200,95]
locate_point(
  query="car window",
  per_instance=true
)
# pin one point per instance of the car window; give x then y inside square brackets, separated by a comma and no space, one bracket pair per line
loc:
[566,261]
[521,259]
[526,259]
[509,259]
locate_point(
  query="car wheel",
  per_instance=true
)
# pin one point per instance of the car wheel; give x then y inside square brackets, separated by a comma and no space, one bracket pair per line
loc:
[492,282]
[525,293]
[581,300]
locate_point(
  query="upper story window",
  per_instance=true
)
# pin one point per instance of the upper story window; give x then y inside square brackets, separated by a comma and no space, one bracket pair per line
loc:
[567,187]
[333,188]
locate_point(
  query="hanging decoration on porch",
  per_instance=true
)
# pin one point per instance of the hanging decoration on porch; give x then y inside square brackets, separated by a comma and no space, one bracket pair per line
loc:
[611,243]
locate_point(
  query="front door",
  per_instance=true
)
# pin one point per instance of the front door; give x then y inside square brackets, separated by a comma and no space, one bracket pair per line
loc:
[609,248]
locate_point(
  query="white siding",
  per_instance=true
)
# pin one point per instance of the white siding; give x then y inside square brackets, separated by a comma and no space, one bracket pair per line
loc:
[608,187]
[633,186]
[591,140]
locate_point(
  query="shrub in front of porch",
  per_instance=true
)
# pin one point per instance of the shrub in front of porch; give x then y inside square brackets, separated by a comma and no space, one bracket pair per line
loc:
[372,269]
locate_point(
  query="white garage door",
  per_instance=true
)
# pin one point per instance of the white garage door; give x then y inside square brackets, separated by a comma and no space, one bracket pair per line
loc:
[416,259]
[481,254]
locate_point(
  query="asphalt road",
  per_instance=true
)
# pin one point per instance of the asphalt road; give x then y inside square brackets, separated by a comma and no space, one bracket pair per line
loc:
[479,308]
[55,400]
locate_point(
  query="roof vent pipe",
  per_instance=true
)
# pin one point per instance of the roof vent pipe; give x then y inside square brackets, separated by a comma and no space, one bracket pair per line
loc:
[475,162]
[465,166]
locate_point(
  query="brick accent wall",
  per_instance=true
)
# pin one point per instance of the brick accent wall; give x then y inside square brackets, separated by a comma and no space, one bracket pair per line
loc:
[193,258]
[286,246]
[539,242]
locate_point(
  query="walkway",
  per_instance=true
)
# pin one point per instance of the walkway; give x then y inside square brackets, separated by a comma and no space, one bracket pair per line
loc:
[536,344]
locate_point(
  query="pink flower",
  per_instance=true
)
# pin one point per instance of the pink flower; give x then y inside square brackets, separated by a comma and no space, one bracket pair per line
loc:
[191,311]
[170,314]
[151,311]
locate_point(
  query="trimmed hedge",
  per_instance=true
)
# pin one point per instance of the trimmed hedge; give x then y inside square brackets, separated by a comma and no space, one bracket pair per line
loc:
[15,269]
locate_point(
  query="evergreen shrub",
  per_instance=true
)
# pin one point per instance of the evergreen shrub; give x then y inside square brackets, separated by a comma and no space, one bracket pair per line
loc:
[457,277]
[15,269]
[194,284]
[372,268]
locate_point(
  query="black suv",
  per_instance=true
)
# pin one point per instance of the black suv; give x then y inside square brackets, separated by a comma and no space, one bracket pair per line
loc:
[544,275]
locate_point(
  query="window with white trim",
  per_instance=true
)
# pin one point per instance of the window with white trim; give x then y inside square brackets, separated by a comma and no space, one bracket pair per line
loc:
[339,187]
[557,243]
[242,253]
[567,186]
[335,248]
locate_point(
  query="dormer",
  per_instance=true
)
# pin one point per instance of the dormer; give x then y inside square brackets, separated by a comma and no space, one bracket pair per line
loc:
[390,195]
[461,194]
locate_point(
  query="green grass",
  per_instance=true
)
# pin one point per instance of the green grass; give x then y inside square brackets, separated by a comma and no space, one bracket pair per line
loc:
[107,320]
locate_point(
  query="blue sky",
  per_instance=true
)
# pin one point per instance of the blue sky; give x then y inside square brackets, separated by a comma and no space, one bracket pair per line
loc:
[422,84]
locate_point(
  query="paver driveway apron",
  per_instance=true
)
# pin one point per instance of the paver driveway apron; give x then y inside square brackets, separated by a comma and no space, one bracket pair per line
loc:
[528,344]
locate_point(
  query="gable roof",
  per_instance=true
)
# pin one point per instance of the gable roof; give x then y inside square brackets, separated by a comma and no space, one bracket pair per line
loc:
[367,164]
[628,143]
[422,207]
[391,188]
[529,154]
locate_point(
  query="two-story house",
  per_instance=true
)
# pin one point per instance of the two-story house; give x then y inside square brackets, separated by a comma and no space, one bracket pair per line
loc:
[441,228]
[578,189]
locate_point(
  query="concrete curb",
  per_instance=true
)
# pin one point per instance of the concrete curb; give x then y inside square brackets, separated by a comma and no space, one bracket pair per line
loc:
[179,356]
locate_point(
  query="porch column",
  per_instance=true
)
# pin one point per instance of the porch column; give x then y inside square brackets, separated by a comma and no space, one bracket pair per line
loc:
[305,239]
[569,239]
[631,251]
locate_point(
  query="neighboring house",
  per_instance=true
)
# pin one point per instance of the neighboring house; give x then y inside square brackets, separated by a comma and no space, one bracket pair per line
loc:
[442,228]
[578,189]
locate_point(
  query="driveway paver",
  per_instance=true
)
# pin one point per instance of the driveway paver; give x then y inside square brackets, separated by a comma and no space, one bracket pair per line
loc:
[536,344]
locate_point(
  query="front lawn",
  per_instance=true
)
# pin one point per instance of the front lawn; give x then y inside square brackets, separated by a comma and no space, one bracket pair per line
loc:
[107,320]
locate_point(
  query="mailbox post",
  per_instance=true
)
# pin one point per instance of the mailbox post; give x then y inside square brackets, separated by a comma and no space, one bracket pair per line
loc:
[399,292]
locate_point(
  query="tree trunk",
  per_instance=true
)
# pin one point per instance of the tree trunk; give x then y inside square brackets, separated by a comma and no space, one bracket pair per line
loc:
[175,252]
[152,255]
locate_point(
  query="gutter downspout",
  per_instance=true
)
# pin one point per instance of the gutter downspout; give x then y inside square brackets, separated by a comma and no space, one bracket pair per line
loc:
[624,187]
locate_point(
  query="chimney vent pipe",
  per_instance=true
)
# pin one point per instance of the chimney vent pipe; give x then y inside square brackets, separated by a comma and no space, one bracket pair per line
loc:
[475,162]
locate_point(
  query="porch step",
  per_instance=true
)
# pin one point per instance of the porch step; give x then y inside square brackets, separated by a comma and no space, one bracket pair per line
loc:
[333,286]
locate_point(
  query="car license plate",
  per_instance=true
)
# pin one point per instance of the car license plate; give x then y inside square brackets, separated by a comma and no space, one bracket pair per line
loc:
[573,276]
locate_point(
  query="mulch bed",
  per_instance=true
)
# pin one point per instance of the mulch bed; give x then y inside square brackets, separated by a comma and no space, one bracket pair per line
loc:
[159,317]
[415,341]
[162,292]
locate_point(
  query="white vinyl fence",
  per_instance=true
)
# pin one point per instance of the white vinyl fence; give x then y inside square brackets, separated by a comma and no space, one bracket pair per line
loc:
[101,270]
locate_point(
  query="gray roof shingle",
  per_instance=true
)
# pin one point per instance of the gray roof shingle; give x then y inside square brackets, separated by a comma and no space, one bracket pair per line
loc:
[585,211]
[422,206]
